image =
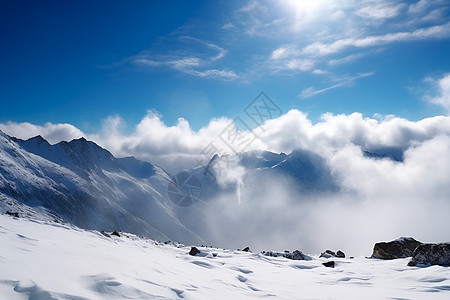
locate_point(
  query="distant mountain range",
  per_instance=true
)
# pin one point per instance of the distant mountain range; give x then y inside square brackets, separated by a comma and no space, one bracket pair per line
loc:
[84,184]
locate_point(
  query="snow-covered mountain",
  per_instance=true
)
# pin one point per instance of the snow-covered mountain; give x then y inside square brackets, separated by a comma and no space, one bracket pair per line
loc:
[86,185]
[305,172]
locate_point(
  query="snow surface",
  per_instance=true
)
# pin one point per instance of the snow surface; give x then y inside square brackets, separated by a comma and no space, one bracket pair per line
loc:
[87,186]
[48,260]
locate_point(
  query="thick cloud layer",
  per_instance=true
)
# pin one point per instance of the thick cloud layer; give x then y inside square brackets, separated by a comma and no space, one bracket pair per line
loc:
[379,199]
[179,146]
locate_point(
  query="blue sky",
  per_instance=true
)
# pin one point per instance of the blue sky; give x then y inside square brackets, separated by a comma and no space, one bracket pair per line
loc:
[83,61]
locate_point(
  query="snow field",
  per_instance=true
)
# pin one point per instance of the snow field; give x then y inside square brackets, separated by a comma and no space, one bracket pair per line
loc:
[44,260]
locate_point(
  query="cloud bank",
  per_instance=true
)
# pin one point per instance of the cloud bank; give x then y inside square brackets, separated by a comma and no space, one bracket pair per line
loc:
[379,199]
[179,146]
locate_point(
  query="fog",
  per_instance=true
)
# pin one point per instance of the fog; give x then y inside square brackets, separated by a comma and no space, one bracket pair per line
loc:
[378,200]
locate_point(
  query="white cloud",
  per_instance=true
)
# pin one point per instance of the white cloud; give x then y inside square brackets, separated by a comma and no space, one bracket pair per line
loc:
[300,64]
[442,92]
[278,53]
[228,25]
[420,6]
[318,48]
[380,10]
[215,74]
[321,72]
[379,199]
[347,59]
[195,59]
[311,91]
[154,141]
[289,61]
[53,133]
[251,6]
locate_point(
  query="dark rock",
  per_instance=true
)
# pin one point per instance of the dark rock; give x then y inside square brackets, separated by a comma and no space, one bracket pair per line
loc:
[13,214]
[105,234]
[271,253]
[329,254]
[431,254]
[329,264]
[194,251]
[295,255]
[400,248]
[115,233]
[340,254]
[246,249]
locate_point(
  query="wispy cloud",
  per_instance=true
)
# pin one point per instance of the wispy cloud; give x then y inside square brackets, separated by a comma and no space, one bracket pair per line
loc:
[318,48]
[380,10]
[441,92]
[251,6]
[331,27]
[347,59]
[214,74]
[288,60]
[196,58]
[289,38]
[311,91]
[420,6]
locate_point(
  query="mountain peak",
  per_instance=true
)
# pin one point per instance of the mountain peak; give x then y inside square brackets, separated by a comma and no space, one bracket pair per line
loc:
[79,140]
[37,139]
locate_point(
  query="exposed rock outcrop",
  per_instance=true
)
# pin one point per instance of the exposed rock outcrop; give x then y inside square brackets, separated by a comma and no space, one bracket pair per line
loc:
[431,254]
[399,248]
[194,251]
[329,254]
[340,254]
[295,255]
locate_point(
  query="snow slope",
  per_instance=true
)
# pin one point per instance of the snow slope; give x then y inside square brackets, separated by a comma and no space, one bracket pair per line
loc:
[48,260]
[87,186]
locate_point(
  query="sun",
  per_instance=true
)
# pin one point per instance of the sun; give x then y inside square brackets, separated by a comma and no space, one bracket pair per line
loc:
[307,12]
[308,6]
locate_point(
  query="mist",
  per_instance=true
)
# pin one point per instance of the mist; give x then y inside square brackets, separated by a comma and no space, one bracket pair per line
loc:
[377,200]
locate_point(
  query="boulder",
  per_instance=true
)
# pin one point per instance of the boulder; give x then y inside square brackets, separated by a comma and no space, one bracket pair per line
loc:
[194,251]
[295,255]
[329,254]
[13,214]
[115,233]
[246,249]
[431,254]
[329,264]
[340,254]
[399,248]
